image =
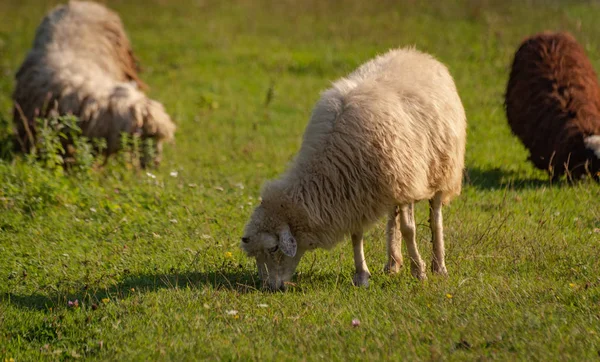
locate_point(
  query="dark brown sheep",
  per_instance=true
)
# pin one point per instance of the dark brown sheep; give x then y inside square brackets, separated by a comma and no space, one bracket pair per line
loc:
[553,105]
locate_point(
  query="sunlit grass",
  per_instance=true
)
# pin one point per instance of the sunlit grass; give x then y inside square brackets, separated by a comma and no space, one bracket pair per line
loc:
[153,260]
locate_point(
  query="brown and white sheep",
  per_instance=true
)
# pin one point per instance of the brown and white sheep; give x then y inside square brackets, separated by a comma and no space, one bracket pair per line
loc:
[553,105]
[81,63]
[390,134]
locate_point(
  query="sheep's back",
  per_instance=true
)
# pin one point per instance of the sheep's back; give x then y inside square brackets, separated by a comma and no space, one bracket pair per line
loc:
[93,33]
[396,127]
[413,126]
[552,100]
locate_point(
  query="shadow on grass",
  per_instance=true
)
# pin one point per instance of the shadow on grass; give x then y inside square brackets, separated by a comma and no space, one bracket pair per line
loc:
[497,178]
[238,281]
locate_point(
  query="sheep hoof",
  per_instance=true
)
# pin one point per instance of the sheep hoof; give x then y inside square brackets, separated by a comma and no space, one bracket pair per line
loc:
[420,276]
[361,279]
[392,267]
[418,271]
[439,269]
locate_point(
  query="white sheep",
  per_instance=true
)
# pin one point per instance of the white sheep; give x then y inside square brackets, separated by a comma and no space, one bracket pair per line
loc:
[390,134]
[81,63]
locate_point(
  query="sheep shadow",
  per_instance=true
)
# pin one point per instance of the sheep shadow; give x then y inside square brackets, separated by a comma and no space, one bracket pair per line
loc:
[238,281]
[497,178]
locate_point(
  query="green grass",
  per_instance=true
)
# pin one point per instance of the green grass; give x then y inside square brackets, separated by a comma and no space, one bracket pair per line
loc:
[154,262]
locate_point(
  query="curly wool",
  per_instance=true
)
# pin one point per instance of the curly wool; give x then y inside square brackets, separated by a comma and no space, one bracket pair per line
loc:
[552,104]
[81,63]
[392,132]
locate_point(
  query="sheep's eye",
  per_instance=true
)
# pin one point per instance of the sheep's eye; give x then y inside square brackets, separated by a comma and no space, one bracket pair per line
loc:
[273,249]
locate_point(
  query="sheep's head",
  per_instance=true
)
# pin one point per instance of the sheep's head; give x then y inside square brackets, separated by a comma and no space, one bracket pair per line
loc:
[143,117]
[267,237]
[156,125]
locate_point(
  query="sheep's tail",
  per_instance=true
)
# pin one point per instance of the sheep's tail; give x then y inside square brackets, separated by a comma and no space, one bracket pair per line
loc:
[157,122]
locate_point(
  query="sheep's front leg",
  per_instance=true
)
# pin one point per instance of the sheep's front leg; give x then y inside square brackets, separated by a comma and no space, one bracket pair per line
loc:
[408,228]
[394,242]
[362,275]
[438,264]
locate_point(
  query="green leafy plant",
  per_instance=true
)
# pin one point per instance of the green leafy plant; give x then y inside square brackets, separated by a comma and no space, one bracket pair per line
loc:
[136,151]
[60,147]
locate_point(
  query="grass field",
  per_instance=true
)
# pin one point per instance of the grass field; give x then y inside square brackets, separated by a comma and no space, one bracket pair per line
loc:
[153,259]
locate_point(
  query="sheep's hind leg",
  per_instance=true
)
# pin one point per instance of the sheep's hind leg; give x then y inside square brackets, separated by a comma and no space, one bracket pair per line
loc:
[408,228]
[394,242]
[438,264]
[362,275]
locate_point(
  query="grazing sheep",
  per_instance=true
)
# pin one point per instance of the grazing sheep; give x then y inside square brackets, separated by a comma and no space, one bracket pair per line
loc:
[553,105]
[82,64]
[390,134]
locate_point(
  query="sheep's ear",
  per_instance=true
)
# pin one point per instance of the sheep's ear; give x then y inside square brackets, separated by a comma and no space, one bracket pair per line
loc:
[287,243]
